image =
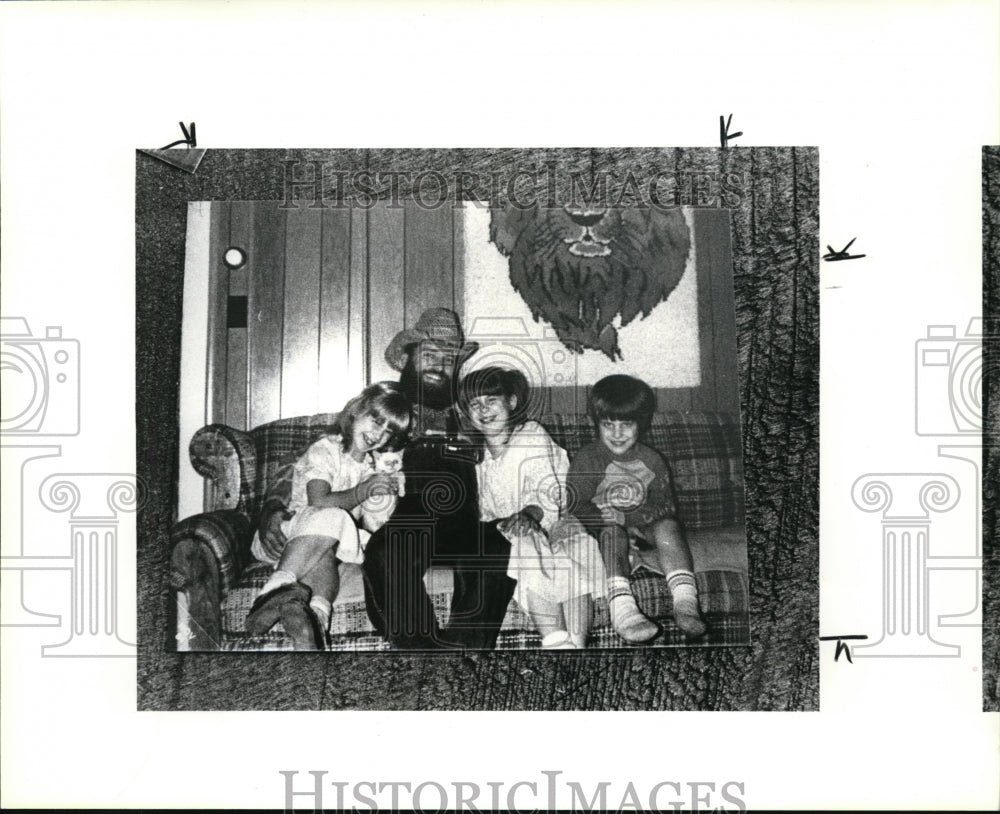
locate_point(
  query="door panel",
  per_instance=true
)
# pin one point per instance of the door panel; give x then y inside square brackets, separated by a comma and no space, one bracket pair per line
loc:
[324,298]
[266,313]
[301,303]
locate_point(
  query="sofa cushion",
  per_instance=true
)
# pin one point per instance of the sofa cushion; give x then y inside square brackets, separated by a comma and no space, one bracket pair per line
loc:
[282,442]
[723,597]
[702,448]
[704,454]
[706,460]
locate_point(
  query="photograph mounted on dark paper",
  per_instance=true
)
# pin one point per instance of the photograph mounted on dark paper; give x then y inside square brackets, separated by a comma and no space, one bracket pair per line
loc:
[494,429]
[427,423]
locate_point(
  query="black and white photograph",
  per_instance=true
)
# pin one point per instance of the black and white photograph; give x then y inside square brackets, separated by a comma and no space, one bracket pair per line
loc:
[432,425]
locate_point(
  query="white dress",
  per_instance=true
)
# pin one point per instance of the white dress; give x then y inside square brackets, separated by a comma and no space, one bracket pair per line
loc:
[564,561]
[325,460]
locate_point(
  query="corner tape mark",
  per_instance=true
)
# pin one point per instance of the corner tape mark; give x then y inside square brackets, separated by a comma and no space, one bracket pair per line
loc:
[186,159]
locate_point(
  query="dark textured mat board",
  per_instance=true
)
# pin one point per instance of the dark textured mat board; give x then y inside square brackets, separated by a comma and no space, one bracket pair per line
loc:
[991,429]
[776,267]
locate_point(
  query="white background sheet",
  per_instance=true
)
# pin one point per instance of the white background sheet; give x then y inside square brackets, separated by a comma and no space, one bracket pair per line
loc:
[899,98]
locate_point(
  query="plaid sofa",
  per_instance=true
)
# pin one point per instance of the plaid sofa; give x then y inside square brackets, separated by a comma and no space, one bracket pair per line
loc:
[216,579]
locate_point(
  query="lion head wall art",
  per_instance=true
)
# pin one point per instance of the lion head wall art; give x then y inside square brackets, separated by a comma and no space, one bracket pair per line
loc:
[590,271]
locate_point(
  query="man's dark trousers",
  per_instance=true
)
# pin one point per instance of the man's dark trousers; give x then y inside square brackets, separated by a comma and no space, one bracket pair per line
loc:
[437,523]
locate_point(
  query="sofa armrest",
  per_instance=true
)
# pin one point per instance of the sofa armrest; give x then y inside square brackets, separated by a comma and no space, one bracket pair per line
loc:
[226,534]
[207,555]
[228,459]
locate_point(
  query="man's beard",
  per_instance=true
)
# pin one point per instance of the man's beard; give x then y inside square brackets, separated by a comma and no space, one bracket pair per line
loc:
[435,395]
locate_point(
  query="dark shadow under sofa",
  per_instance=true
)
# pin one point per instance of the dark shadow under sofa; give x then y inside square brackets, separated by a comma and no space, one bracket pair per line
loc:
[215,579]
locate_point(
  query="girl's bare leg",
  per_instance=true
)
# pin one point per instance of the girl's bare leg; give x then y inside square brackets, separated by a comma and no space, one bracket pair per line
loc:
[324,577]
[613,543]
[311,561]
[579,614]
[300,622]
[324,580]
[302,553]
[548,619]
[299,558]
[675,558]
[672,548]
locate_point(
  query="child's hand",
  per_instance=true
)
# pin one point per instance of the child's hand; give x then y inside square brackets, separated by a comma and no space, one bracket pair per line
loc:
[376,485]
[272,538]
[519,525]
[398,481]
[613,516]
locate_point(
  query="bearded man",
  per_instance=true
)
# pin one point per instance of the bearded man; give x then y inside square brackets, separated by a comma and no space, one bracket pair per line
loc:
[437,521]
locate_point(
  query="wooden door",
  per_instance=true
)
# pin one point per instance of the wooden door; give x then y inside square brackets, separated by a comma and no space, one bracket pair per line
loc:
[303,324]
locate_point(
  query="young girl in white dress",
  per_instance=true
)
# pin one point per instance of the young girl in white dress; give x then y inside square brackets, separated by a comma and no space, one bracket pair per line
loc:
[522,479]
[330,482]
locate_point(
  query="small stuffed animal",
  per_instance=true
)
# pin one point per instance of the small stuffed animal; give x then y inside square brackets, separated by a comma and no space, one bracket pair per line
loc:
[379,508]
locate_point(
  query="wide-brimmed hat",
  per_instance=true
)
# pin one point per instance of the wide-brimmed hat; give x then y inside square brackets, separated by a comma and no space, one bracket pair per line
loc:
[438,325]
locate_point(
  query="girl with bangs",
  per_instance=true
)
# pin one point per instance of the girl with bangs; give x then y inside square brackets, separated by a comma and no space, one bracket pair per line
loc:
[330,481]
[521,477]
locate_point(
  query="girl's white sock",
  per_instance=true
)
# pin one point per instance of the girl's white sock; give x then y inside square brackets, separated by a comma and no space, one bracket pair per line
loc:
[278,580]
[629,622]
[684,592]
[323,608]
[618,585]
